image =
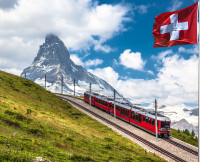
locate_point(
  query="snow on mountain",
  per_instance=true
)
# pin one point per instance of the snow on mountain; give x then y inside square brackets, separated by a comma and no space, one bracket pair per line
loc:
[183,124]
[179,112]
[53,60]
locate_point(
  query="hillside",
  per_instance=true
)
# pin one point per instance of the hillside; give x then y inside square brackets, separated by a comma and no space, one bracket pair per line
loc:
[36,123]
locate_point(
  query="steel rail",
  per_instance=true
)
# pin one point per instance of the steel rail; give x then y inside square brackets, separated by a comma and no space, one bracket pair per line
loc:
[182,146]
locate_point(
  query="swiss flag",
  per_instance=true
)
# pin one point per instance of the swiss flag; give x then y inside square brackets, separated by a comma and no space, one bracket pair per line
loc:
[176,28]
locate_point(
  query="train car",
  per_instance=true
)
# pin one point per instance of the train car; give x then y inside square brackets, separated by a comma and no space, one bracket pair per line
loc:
[97,101]
[87,98]
[134,115]
[122,111]
[147,122]
[102,103]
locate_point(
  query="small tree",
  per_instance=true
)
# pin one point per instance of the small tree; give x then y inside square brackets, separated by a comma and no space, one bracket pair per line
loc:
[192,133]
[186,131]
[196,138]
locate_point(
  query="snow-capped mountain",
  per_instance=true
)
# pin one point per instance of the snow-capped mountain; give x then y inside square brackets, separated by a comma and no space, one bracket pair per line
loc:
[183,124]
[53,60]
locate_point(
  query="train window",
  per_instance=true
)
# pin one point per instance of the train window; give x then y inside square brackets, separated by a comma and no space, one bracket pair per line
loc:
[92,98]
[106,104]
[128,114]
[139,118]
[143,118]
[121,111]
[164,124]
[152,121]
[131,115]
[149,120]
[146,119]
[136,116]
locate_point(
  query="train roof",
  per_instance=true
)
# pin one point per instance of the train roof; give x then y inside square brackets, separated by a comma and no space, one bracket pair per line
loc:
[133,108]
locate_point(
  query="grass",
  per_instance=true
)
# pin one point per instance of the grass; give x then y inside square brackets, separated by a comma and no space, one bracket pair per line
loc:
[185,136]
[36,123]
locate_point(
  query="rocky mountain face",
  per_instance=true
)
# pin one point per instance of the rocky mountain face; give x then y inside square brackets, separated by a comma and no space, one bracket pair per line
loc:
[53,60]
[183,124]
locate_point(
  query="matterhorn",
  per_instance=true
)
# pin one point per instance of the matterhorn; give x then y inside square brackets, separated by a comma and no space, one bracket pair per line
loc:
[53,61]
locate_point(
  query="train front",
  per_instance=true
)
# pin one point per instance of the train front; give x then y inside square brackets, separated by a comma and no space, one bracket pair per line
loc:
[164,126]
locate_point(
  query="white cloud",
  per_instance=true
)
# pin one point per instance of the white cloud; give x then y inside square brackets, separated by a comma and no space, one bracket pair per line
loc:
[132,60]
[107,74]
[76,59]
[175,5]
[162,54]
[194,50]
[81,24]
[94,62]
[179,79]
[115,62]
[150,72]
[104,48]
[12,71]
[175,84]
[142,9]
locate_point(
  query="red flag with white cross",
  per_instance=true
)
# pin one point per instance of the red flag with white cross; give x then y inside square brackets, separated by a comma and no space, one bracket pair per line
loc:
[176,28]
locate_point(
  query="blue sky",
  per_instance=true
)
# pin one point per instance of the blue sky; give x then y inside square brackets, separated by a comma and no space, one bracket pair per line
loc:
[112,39]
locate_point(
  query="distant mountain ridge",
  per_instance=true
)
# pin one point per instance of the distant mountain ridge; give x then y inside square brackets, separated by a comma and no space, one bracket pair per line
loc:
[183,124]
[53,60]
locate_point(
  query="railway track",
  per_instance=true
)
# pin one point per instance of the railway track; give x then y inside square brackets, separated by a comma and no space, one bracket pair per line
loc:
[146,142]
[182,146]
[194,152]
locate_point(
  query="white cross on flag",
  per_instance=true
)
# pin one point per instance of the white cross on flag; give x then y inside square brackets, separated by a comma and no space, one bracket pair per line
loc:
[176,28]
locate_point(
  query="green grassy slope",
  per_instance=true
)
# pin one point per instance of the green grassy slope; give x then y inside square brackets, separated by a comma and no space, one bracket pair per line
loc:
[34,122]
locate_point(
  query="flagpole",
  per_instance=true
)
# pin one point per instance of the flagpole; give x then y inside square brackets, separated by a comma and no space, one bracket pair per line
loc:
[198,81]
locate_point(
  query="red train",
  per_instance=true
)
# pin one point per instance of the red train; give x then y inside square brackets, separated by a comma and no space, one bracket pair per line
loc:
[133,115]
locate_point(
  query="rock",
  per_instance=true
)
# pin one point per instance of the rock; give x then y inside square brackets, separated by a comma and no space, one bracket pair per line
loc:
[41,159]
[183,124]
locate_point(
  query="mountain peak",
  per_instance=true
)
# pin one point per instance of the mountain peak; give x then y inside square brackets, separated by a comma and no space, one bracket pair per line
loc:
[51,38]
